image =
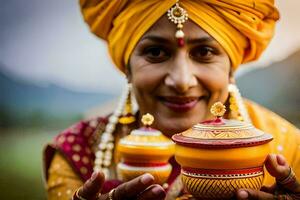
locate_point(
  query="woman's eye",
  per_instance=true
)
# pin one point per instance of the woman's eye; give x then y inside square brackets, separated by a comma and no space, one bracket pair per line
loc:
[203,54]
[156,54]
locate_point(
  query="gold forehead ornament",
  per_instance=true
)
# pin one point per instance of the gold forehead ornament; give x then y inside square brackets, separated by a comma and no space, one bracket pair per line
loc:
[178,16]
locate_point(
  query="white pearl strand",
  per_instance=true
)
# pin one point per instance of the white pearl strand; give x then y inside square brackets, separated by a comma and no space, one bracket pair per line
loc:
[105,147]
[240,103]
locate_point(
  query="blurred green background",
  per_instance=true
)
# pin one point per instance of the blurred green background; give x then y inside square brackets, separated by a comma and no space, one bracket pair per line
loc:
[30,116]
[20,155]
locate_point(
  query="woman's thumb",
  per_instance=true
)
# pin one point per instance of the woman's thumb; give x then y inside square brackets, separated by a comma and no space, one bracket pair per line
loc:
[91,187]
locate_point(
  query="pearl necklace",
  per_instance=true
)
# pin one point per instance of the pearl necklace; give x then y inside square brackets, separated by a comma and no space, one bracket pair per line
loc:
[104,152]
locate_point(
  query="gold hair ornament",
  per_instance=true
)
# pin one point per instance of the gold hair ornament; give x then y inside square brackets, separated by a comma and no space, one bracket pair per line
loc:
[127,116]
[178,16]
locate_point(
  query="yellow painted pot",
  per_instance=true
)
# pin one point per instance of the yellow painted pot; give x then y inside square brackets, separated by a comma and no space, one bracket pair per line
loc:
[220,156]
[145,150]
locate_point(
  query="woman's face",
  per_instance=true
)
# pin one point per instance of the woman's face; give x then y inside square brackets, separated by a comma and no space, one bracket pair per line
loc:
[178,85]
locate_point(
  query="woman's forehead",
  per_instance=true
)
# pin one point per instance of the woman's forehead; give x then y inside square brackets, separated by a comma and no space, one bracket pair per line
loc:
[166,29]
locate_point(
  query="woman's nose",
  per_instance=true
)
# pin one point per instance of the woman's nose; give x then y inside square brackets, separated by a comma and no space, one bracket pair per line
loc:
[180,75]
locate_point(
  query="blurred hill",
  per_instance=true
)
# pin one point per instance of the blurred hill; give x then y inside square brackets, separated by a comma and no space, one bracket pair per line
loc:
[276,87]
[23,103]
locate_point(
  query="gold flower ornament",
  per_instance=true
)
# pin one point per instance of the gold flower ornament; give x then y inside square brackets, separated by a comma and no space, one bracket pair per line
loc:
[218,109]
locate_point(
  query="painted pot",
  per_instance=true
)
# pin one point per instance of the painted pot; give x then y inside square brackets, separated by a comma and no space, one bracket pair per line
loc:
[220,156]
[145,150]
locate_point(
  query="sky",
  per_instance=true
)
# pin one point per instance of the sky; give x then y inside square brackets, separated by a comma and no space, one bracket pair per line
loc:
[46,42]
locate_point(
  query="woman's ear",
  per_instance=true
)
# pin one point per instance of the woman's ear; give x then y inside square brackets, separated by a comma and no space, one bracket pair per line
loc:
[231,76]
[128,73]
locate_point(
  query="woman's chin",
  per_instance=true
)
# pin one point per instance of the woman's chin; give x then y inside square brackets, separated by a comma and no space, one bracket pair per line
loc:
[173,126]
[170,122]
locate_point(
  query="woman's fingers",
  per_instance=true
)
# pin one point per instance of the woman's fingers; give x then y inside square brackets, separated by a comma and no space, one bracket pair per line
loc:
[91,187]
[249,194]
[270,189]
[277,166]
[130,189]
[153,192]
[134,187]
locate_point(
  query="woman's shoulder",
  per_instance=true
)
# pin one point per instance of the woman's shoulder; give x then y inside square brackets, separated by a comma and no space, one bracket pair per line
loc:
[81,132]
[286,135]
[76,144]
[265,119]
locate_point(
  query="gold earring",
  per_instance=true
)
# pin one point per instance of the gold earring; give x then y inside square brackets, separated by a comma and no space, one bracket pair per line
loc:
[236,104]
[127,114]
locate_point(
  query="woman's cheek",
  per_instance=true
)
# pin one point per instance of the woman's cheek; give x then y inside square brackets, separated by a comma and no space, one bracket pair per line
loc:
[220,77]
[212,80]
[149,78]
[143,84]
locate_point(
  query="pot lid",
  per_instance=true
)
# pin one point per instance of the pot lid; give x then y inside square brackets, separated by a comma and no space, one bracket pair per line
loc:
[146,136]
[221,133]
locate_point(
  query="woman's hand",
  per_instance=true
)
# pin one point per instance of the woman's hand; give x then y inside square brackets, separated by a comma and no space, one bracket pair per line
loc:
[139,188]
[286,186]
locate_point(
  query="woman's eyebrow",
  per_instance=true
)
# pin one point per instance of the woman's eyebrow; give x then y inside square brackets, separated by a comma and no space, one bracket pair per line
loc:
[156,38]
[200,40]
[160,39]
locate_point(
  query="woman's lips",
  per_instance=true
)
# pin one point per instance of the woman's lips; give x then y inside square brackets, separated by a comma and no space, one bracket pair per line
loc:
[180,104]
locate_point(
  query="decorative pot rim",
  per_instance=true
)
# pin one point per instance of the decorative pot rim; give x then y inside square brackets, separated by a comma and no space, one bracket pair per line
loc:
[221,143]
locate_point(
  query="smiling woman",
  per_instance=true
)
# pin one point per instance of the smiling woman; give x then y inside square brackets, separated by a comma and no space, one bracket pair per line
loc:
[178,85]
[179,58]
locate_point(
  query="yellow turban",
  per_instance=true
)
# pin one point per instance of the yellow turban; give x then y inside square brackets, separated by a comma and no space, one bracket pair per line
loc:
[244,28]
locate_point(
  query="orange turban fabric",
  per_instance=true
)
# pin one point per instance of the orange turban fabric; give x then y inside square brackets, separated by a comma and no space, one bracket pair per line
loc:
[244,28]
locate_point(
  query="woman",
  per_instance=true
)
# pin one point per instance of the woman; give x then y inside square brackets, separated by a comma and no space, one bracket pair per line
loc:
[179,58]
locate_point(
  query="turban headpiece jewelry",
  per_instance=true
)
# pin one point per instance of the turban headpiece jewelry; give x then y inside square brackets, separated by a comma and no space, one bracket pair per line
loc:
[243,28]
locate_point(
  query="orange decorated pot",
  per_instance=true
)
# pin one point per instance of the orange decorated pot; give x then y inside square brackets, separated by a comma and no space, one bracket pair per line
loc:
[220,156]
[145,150]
